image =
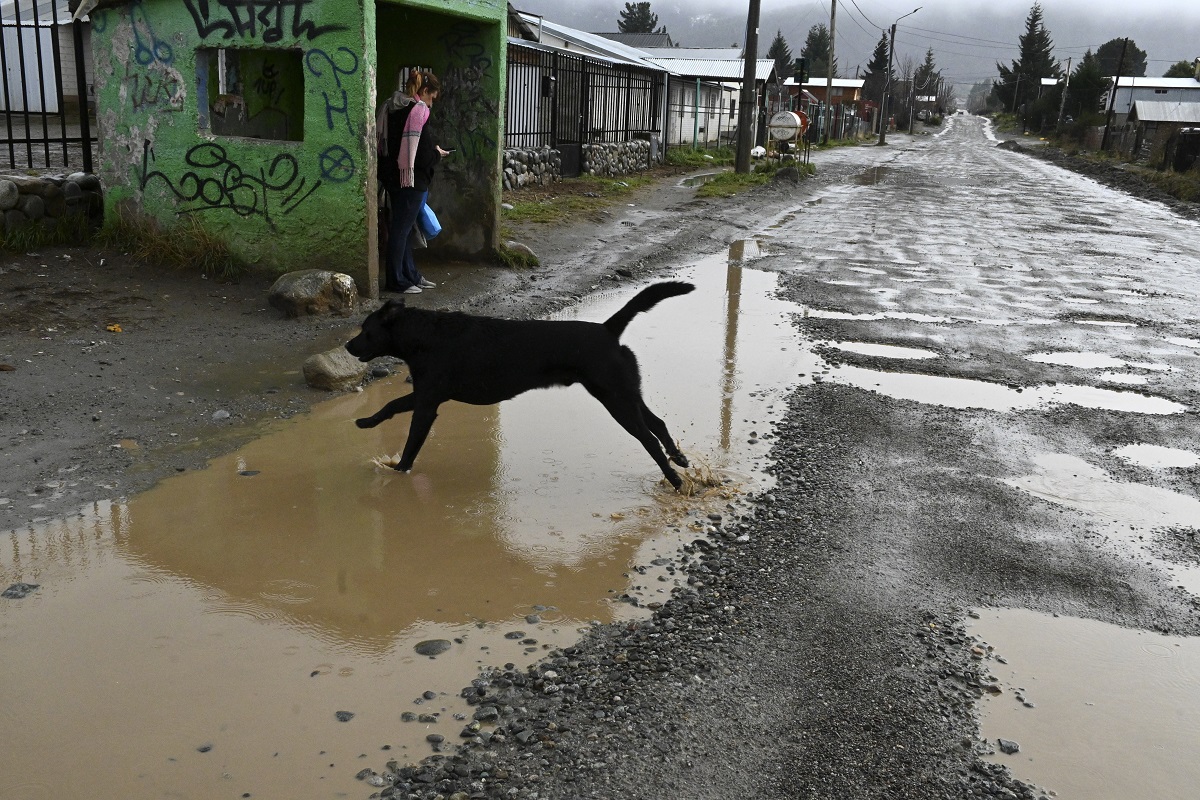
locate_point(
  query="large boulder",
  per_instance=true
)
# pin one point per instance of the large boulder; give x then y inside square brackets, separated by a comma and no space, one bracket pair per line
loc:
[335,370]
[8,195]
[314,291]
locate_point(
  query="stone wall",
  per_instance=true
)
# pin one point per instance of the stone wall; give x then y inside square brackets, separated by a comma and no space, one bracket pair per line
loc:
[536,167]
[541,166]
[48,200]
[622,158]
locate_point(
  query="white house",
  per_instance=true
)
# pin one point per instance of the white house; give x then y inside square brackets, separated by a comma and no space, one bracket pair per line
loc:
[1160,90]
[30,80]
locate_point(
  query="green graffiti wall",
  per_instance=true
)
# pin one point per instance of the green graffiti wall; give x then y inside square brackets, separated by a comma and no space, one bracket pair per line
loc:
[250,115]
[257,117]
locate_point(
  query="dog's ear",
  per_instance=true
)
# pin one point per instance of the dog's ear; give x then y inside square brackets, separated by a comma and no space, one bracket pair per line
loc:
[391,309]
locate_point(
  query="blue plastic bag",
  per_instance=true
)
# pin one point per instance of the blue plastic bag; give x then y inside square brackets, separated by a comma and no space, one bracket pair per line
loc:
[427,221]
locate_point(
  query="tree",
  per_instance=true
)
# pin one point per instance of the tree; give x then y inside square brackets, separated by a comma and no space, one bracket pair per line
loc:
[781,54]
[1181,69]
[982,99]
[816,51]
[876,78]
[1020,85]
[1109,53]
[638,18]
[1088,86]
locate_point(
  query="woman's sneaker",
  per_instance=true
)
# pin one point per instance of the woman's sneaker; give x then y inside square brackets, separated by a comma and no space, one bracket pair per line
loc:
[424,284]
[413,290]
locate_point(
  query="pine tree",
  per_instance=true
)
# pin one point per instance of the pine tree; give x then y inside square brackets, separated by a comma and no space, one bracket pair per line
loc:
[816,51]
[876,78]
[1088,86]
[782,55]
[1019,85]
[638,18]
[1109,53]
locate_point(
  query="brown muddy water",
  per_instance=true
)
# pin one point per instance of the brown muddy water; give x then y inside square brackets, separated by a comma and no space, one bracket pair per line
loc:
[1099,712]
[200,640]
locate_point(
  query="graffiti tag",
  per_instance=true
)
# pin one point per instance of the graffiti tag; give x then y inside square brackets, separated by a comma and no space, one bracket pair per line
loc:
[345,63]
[214,181]
[271,19]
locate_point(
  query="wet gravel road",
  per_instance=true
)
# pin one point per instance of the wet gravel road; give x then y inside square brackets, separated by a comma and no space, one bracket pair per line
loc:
[819,648]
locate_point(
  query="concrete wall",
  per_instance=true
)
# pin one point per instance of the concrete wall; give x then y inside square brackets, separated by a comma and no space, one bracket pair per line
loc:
[259,117]
[286,203]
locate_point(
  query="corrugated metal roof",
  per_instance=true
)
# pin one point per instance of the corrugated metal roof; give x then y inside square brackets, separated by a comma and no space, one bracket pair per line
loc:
[590,41]
[838,83]
[705,53]
[1159,111]
[1158,83]
[721,69]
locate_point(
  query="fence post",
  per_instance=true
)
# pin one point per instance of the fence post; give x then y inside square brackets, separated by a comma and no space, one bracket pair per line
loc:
[85,124]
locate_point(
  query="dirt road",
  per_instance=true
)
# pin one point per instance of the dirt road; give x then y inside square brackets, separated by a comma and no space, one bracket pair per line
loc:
[930,467]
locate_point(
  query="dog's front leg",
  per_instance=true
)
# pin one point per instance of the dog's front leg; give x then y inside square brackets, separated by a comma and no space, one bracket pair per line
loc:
[397,406]
[418,429]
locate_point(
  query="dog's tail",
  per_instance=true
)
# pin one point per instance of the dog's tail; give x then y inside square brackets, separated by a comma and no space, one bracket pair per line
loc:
[645,300]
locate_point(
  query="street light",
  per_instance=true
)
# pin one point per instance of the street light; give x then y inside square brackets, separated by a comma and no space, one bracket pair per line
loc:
[887,86]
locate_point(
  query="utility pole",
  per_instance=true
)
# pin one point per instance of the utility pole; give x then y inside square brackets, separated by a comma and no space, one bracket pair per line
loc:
[1062,105]
[829,71]
[748,112]
[887,86]
[1112,97]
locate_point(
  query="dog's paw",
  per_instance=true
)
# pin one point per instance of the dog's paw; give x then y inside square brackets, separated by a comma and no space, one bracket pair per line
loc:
[366,422]
[680,459]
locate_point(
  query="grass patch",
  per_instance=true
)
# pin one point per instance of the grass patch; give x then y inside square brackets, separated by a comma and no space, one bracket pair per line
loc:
[688,158]
[728,184]
[571,197]
[72,229]
[514,258]
[186,245]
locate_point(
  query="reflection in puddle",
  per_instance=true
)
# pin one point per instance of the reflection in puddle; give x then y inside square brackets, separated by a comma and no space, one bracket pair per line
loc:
[1155,456]
[967,393]
[1116,712]
[240,607]
[1106,323]
[1128,513]
[883,350]
[699,180]
[1123,378]
[1183,341]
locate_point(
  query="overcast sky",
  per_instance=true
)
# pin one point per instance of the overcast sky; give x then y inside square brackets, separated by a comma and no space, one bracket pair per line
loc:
[968,37]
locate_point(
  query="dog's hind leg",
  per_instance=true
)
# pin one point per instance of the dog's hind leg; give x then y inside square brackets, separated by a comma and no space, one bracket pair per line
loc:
[659,429]
[397,406]
[418,429]
[628,412]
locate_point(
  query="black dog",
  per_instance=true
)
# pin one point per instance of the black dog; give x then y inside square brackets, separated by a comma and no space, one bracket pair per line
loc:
[483,360]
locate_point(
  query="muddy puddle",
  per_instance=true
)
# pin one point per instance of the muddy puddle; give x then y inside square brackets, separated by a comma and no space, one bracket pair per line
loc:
[1097,712]
[1130,516]
[258,628]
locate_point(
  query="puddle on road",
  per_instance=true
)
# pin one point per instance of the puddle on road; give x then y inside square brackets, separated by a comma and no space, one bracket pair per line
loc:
[1089,360]
[235,610]
[1155,456]
[884,350]
[1128,515]
[699,180]
[820,313]
[1116,711]
[969,393]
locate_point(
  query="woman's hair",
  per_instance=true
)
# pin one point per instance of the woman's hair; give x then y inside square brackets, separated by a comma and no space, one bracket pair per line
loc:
[421,80]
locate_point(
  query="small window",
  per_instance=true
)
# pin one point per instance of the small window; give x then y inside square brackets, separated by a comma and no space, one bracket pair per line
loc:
[258,94]
[1160,91]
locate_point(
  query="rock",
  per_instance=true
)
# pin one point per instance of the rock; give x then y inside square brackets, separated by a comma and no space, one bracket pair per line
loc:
[19,590]
[432,647]
[14,219]
[1008,746]
[344,716]
[8,195]
[335,370]
[789,174]
[32,206]
[523,249]
[314,291]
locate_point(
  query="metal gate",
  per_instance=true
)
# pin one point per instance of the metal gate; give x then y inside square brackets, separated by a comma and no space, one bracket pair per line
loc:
[45,90]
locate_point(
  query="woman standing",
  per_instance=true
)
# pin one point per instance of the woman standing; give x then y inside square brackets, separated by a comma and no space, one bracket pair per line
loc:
[406,170]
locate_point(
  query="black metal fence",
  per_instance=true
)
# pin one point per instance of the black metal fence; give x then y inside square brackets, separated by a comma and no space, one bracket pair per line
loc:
[44,88]
[557,98]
